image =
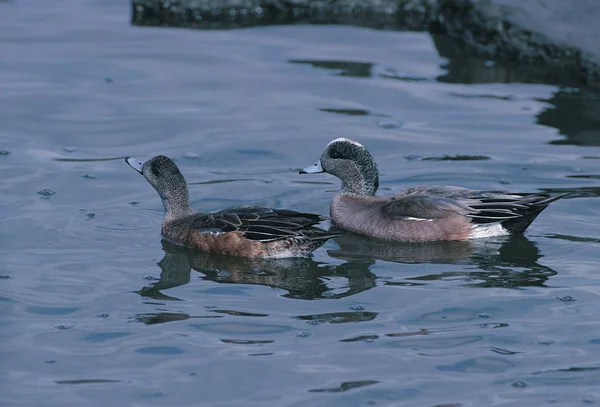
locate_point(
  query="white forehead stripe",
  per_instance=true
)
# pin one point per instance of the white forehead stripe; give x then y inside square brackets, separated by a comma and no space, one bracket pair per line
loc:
[346,140]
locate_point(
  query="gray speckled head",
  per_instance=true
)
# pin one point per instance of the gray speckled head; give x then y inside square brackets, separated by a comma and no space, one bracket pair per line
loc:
[352,164]
[162,173]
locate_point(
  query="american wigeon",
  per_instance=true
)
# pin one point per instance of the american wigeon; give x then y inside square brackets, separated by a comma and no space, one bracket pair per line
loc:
[248,231]
[420,214]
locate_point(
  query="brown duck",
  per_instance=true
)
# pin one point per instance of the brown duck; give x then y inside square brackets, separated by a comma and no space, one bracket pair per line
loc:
[420,214]
[248,231]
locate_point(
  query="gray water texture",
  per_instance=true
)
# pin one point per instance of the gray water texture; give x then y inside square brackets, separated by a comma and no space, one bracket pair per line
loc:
[97,311]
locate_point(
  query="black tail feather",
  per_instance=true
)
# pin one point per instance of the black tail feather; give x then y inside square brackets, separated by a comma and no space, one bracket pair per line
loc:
[534,205]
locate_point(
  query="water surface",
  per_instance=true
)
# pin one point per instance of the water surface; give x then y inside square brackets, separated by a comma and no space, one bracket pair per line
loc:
[98,311]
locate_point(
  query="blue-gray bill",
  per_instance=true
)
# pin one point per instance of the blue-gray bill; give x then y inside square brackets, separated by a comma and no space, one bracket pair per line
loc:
[135,164]
[312,169]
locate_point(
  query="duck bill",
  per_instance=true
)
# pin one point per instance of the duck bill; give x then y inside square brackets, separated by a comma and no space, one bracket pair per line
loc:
[312,169]
[135,164]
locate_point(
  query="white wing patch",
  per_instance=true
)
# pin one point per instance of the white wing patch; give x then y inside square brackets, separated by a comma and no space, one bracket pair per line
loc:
[489,230]
[417,219]
[213,232]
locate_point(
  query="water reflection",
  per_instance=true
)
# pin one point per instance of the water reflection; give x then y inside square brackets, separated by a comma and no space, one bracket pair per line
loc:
[576,115]
[468,67]
[302,278]
[575,112]
[514,265]
[510,261]
[574,109]
[353,247]
[342,68]
[579,192]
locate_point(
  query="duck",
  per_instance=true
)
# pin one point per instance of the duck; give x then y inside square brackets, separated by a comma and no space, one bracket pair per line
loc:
[419,214]
[246,231]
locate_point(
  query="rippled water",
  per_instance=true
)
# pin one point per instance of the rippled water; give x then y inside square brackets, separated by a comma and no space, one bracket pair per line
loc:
[97,311]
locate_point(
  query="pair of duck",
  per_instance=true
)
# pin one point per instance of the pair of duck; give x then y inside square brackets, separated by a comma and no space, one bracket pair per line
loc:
[421,214]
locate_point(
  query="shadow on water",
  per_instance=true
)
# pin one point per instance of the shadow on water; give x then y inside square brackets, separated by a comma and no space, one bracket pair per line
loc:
[510,261]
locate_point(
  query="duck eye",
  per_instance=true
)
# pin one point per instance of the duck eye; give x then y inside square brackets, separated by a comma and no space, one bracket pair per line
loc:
[154,170]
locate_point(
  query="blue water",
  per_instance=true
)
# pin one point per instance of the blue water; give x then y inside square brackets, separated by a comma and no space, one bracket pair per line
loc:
[96,311]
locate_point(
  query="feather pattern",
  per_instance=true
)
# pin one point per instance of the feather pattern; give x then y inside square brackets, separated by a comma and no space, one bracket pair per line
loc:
[481,207]
[261,224]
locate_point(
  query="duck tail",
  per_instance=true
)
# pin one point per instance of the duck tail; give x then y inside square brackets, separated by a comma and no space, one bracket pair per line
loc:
[534,205]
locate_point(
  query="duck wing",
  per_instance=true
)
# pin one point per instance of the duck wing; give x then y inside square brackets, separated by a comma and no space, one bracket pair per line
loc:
[422,208]
[513,210]
[433,202]
[261,224]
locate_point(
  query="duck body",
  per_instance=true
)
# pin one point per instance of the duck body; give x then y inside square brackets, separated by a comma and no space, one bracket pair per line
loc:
[438,213]
[248,231]
[421,214]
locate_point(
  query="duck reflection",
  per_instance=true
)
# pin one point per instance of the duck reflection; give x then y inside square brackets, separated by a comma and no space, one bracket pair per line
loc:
[508,261]
[355,247]
[302,278]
